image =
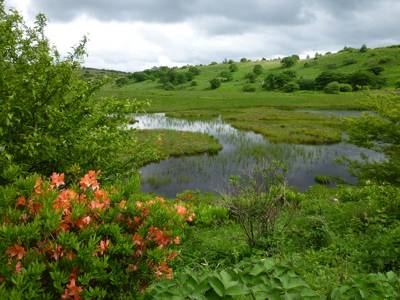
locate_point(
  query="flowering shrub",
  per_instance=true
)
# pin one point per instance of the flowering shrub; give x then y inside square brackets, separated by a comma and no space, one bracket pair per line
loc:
[84,242]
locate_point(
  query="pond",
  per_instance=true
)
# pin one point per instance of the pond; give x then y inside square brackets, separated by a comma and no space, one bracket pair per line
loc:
[242,151]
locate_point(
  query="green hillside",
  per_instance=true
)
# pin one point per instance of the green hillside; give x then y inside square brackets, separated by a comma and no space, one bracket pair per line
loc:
[346,61]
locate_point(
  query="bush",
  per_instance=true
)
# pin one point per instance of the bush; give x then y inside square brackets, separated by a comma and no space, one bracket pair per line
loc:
[397,84]
[278,81]
[168,86]
[233,67]
[194,83]
[365,78]
[376,70]
[332,88]
[194,70]
[139,76]
[363,48]
[289,61]
[328,76]
[257,201]
[251,77]
[121,81]
[215,83]
[291,87]
[385,60]
[86,243]
[53,121]
[226,76]
[345,87]
[258,69]
[306,84]
[243,60]
[249,88]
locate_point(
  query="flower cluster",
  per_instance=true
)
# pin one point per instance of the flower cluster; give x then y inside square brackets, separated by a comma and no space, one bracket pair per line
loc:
[74,231]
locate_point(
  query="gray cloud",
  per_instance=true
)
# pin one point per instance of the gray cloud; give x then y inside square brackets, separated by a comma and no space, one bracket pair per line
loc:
[198,31]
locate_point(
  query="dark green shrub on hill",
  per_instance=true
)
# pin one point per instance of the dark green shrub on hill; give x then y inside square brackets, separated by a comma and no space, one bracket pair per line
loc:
[365,78]
[289,61]
[397,84]
[306,84]
[385,60]
[363,48]
[345,87]
[121,81]
[291,87]
[194,83]
[258,69]
[376,69]
[331,66]
[194,70]
[249,88]
[251,77]
[139,76]
[278,81]
[215,83]
[226,76]
[327,77]
[243,60]
[168,86]
[233,67]
[332,88]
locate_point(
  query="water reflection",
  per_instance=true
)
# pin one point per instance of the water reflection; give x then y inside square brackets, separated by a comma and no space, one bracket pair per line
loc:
[241,152]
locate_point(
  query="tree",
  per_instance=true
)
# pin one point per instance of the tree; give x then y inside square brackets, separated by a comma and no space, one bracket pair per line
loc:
[233,67]
[289,61]
[380,132]
[215,83]
[258,69]
[49,119]
[363,48]
[332,88]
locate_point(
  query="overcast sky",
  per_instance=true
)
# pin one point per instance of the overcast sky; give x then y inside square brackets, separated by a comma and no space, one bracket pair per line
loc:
[132,35]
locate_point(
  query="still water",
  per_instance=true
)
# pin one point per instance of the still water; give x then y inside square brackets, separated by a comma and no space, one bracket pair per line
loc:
[242,151]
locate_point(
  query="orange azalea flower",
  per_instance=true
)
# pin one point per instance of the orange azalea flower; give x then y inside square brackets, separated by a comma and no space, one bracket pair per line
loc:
[72,291]
[160,199]
[21,201]
[57,252]
[16,251]
[34,207]
[139,204]
[180,210]
[177,240]
[89,180]
[70,255]
[172,255]
[122,204]
[138,240]
[164,269]
[82,222]
[157,235]
[18,267]
[38,186]
[57,180]
[132,268]
[104,246]
[190,218]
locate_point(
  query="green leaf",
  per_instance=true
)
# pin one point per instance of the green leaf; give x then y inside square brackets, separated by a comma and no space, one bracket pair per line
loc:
[217,285]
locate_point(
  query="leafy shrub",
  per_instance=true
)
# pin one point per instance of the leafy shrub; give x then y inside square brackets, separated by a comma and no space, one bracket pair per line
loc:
[372,286]
[255,278]
[332,88]
[243,60]
[278,81]
[215,83]
[376,69]
[139,76]
[257,201]
[249,88]
[258,69]
[385,60]
[331,66]
[289,61]
[397,85]
[51,119]
[310,232]
[194,70]
[363,48]
[345,87]
[226,76]
[327,77]
[251,77]
[121,81]
[233,67]
[306,84]
[291,87]
[365,78]
[87,243]
[194,83]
